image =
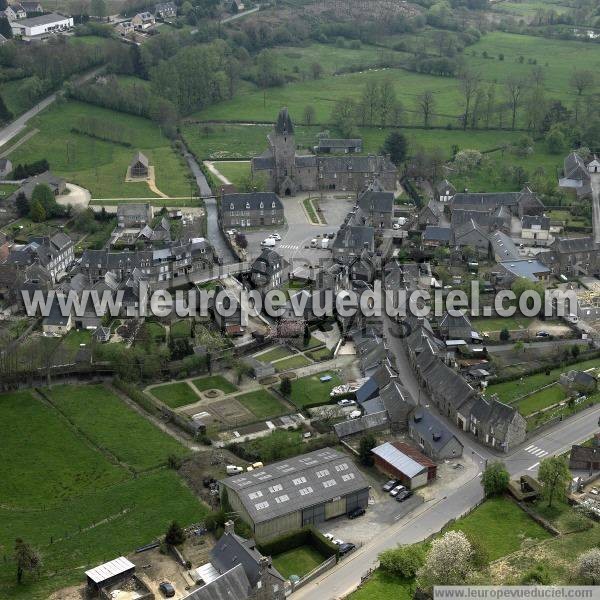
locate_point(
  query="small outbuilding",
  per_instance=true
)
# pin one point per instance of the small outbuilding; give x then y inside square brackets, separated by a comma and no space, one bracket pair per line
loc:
[405,463]
[109,573]
[139,165]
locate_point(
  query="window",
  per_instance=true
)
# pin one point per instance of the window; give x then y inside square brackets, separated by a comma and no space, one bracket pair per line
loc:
[231,206]
[322,473]
[329,483]
[273,204]
[255,495]
[275,488]
[282,498]
[261,505]
[247,204]
[342,467]
[306,490]
[261,205]
[348,476]
[299,480]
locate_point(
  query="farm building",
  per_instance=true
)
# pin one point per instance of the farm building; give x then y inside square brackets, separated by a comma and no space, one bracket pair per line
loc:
[300,491]
[405,463]
[108,573]
[41,25]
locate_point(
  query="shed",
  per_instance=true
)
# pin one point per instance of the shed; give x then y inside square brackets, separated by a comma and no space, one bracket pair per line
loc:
[405,463]
[109,573]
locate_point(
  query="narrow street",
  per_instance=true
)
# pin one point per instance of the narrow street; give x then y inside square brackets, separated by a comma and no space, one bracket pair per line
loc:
[595,183]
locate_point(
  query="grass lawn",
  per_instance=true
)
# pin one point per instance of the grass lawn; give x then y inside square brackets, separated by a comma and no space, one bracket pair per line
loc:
[298,561]
[70,344]
[6,189]
[175,394]
[488,324]
[261,404]
[539,400]
[309,390]
[383,586]
[274,354]
[72,503]
[506,526]
[235,171]
[294,362]
[310,210]
[181,329]
[320,354]
[105,419]
[98,165]
[278,445]
[156,330]
[510,390]
[214,382]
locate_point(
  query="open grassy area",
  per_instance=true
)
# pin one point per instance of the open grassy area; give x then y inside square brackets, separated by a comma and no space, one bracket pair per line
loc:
[181,329]
[383,586]
[156,330]
[175,394]
[321,354]
[261,404]
[6,189]
[278,445]
[310,390]
[294,362]
[298,561]
[488,324]
[214,382]
[234,171]
[71,343]
[112,425]
[98,165]
[65,497]
[274,354]
[505,525]
[542,399]
[510,390]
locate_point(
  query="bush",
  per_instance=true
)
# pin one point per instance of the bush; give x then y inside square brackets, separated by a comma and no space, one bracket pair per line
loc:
[285,387]
[403,561]
[540,574]
[175,534]
[495,479]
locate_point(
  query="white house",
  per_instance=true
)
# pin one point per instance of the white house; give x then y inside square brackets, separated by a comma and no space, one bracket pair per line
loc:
[36,26]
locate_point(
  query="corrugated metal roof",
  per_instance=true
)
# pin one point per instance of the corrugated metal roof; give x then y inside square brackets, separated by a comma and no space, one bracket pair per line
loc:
[397,459]
[110,569]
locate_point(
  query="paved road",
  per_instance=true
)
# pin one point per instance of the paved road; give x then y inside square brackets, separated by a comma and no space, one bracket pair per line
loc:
[240,15]
[595,182]
[213,230]
[8,132]
[433,515]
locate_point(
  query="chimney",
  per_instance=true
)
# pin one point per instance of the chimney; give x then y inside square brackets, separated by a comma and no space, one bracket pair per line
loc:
[437,436]
[229,527]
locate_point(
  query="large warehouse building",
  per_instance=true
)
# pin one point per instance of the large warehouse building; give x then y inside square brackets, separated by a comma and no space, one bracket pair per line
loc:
[42,25]
[304,490]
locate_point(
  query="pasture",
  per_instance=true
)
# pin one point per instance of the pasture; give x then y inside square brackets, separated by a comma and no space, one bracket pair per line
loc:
[64,494]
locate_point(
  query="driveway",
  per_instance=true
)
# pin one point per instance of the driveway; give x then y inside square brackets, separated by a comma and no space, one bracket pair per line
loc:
[78,197]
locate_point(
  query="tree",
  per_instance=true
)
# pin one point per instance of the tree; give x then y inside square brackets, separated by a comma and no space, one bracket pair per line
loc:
[396,146]
[588,566]
[5,114]
[285,387]
[44,195]
[448,561]
[22,205]
[581,80]
[469,85]
[426,105]
[521,285]
[367,443]
[403,561]
[343,116]
[5,28]
[504,334]
[26,559]
[316,70]
[495,479]
[575,350]
[38,214]
[175,534]
[309,114]
[514,89]
[241,241]
[519,347]
[98,8]
[554,475]
[556,141]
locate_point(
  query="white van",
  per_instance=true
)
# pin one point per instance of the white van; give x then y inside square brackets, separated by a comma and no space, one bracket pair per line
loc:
[268,243]
[233,470]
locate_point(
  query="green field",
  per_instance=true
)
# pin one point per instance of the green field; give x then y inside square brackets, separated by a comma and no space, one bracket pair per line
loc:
[506,527]
[64,496]
[498,324]
[113,426]
[214,382]
[383,586]
[71,343]
[298,561]
[274,354]
[181,329]
[235,171]
[542,399]
[98,165]
[294,362]
[309,390]
[175,394]
[262,404]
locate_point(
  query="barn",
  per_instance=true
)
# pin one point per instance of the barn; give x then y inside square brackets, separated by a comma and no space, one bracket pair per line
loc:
[405,463]
[290,494]
[109,573]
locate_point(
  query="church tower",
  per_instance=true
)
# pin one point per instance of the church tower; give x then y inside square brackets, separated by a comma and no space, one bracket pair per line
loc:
[283,147]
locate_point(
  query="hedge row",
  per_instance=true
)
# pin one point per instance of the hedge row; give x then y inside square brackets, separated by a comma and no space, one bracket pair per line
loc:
[307,536]
[134,394]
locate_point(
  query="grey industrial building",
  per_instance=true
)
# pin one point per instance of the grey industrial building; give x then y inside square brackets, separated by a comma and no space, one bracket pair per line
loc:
[290,494]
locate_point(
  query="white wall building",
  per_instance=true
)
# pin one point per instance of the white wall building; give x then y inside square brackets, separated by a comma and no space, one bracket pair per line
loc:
[51,23]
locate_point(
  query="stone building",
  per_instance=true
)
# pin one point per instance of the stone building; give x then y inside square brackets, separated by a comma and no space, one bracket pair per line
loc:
[256,209]
[287,172]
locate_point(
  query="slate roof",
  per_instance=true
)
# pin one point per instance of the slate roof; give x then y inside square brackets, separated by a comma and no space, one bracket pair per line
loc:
[139,156]
[527,268]
[376,201]
[479,201]
[364,423]
[264,161]
[575,168]
[377,381]
[46,178]
[232,585]
[268,262]
[396,400]
[284,125]
[339,143]
[356,164]
[297,483]
[494,413]
[134,209]
[584,454]
[503,246]
[437,234]
[268,200]
[529,221]
[433,431]
[444,186]
[573,245]
[231,550]
[453,323]
[56,318]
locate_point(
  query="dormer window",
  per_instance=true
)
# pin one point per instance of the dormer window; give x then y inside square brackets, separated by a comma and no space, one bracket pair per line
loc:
[262,205]
[247,204]
[231,206]
[273,204]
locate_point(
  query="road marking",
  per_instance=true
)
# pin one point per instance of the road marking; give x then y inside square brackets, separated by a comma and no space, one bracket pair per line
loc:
[532,467]
[536,451]
[529,447]
[479,474]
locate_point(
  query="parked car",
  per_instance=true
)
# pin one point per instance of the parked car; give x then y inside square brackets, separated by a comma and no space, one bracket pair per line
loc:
[403,495]
[395,491]
[167,589]
[359,511]
[345,402]
[390,485]
[345,548]
[542,334]
[337,541]
[268,243]
[233,470]
[328,536]
[276,237]
[355,414]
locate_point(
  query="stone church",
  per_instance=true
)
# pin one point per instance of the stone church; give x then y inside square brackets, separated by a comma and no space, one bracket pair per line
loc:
[287,172]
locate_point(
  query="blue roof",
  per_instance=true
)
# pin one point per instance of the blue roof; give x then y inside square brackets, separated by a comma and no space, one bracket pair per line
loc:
[525,268]
[369,389]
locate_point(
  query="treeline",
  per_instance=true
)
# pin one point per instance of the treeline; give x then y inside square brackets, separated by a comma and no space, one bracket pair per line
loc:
[29,169]
[102,130]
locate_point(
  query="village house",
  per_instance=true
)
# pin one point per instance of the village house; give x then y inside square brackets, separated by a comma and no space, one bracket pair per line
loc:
[585,458]
[472,235]
[288,173]
[269,271]
[528,268]
[489,219]
[254,209]
[32,7]
[430,214]
[134,215]
[536,228]
[338,146]
[56,324]
[576,175]
[572,257]
[377,208]
[578,382]
[444,191]
[520,203]
[457,327]
[434,237]
[236,6]
[496,424]
[434,439]
[142,22]
[15,11]
[56,184]
[165,10]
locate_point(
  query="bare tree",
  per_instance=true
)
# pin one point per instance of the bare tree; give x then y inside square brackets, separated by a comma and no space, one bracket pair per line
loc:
[309,114]
[426,104]
[469,84]
[514,89]
[582,80]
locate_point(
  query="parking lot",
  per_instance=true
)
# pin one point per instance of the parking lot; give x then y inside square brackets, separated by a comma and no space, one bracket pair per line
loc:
[298,232]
